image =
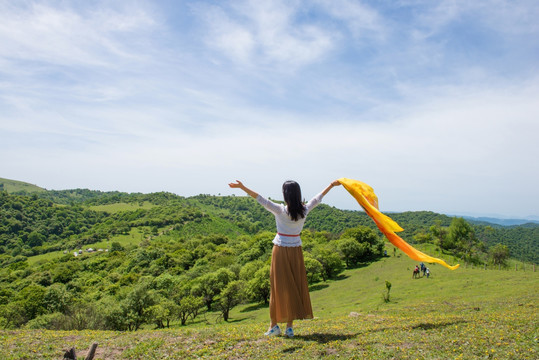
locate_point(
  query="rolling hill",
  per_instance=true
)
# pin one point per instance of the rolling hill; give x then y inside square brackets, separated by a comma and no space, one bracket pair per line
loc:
[14,186]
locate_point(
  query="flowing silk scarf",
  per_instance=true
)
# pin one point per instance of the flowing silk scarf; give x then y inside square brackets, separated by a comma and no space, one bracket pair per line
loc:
[365,196]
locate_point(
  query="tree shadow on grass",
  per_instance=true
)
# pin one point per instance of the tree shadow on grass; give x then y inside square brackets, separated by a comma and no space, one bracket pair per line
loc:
[430,326]
[291,349]
[317,287]
[231,321]
[360,265]
[324,338]
[421,326]
[254,307]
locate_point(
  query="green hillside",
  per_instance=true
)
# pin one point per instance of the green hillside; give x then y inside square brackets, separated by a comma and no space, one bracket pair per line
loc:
[14,186]
[57,221]
[467,313]
[171,267]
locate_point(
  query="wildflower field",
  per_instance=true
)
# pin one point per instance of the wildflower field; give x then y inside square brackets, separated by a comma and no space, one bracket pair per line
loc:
[462,314]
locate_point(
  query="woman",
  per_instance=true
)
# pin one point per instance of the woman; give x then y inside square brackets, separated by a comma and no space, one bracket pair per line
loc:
[289,296]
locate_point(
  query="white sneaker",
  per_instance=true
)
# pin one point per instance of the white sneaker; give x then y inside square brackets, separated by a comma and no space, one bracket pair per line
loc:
[289,332]
[274,331]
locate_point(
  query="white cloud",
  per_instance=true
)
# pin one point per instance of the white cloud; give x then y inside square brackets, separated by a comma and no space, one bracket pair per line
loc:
[265,33]
[228,36]
[68,37]
[500,18]
[361,19]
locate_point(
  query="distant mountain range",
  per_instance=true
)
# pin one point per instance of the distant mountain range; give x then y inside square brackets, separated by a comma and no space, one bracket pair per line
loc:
[499,221]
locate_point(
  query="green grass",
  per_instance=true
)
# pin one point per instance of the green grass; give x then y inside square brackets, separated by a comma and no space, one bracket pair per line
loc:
[117,207]
[32,260]
[462,314]
[12,186]
[135,236]
[361,289]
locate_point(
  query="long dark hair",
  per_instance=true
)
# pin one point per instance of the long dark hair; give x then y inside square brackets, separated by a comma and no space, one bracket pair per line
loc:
[292,198]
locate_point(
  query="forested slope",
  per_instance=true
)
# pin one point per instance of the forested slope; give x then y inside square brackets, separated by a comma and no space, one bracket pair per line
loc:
[36,223]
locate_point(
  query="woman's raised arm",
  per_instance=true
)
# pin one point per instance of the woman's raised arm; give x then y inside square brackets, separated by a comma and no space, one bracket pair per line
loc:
[330,186]
[239,185]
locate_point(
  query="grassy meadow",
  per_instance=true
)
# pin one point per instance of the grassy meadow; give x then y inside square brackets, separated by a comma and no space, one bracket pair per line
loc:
[469,313]
[132,239]
[117,207]
[12,186]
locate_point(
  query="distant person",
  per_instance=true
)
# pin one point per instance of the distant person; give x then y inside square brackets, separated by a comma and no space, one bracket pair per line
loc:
[427,271]
[416,272]
[423,268]
[289,295]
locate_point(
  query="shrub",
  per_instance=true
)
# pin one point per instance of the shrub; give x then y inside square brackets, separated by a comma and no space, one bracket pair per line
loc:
[54,321]
[386,294]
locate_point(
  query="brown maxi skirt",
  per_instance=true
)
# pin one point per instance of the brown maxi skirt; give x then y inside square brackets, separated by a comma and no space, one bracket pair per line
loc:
[289,296]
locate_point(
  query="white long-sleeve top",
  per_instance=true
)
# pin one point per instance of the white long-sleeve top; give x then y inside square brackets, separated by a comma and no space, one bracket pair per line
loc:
[285,225]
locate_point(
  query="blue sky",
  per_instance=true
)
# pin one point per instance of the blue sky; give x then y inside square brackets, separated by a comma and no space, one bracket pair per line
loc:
[435,104]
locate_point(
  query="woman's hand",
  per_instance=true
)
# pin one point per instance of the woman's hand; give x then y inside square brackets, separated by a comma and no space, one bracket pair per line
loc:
[238,184]
[330,186]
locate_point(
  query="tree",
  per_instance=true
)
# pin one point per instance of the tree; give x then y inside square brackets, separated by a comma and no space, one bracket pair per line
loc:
[231,296]
[423,237]
[114,315]
[12,315]
[6,295]
[57,298]
[439,232]
[462,237]
[206,287]
[53,321]
[499,254]
[188,307]
[116,246]
[65,272]
[371,244]
[137,304]
[163,312]
[31,299]
[164,284]
[210,285]
[259,248]
[248,270]
[35,239]
[258,288]
[84,316]
[332,265]
[351,250]
[361,234]
[314,269]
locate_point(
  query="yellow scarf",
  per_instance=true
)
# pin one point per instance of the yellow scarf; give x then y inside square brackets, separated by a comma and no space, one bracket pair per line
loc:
[365,196]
